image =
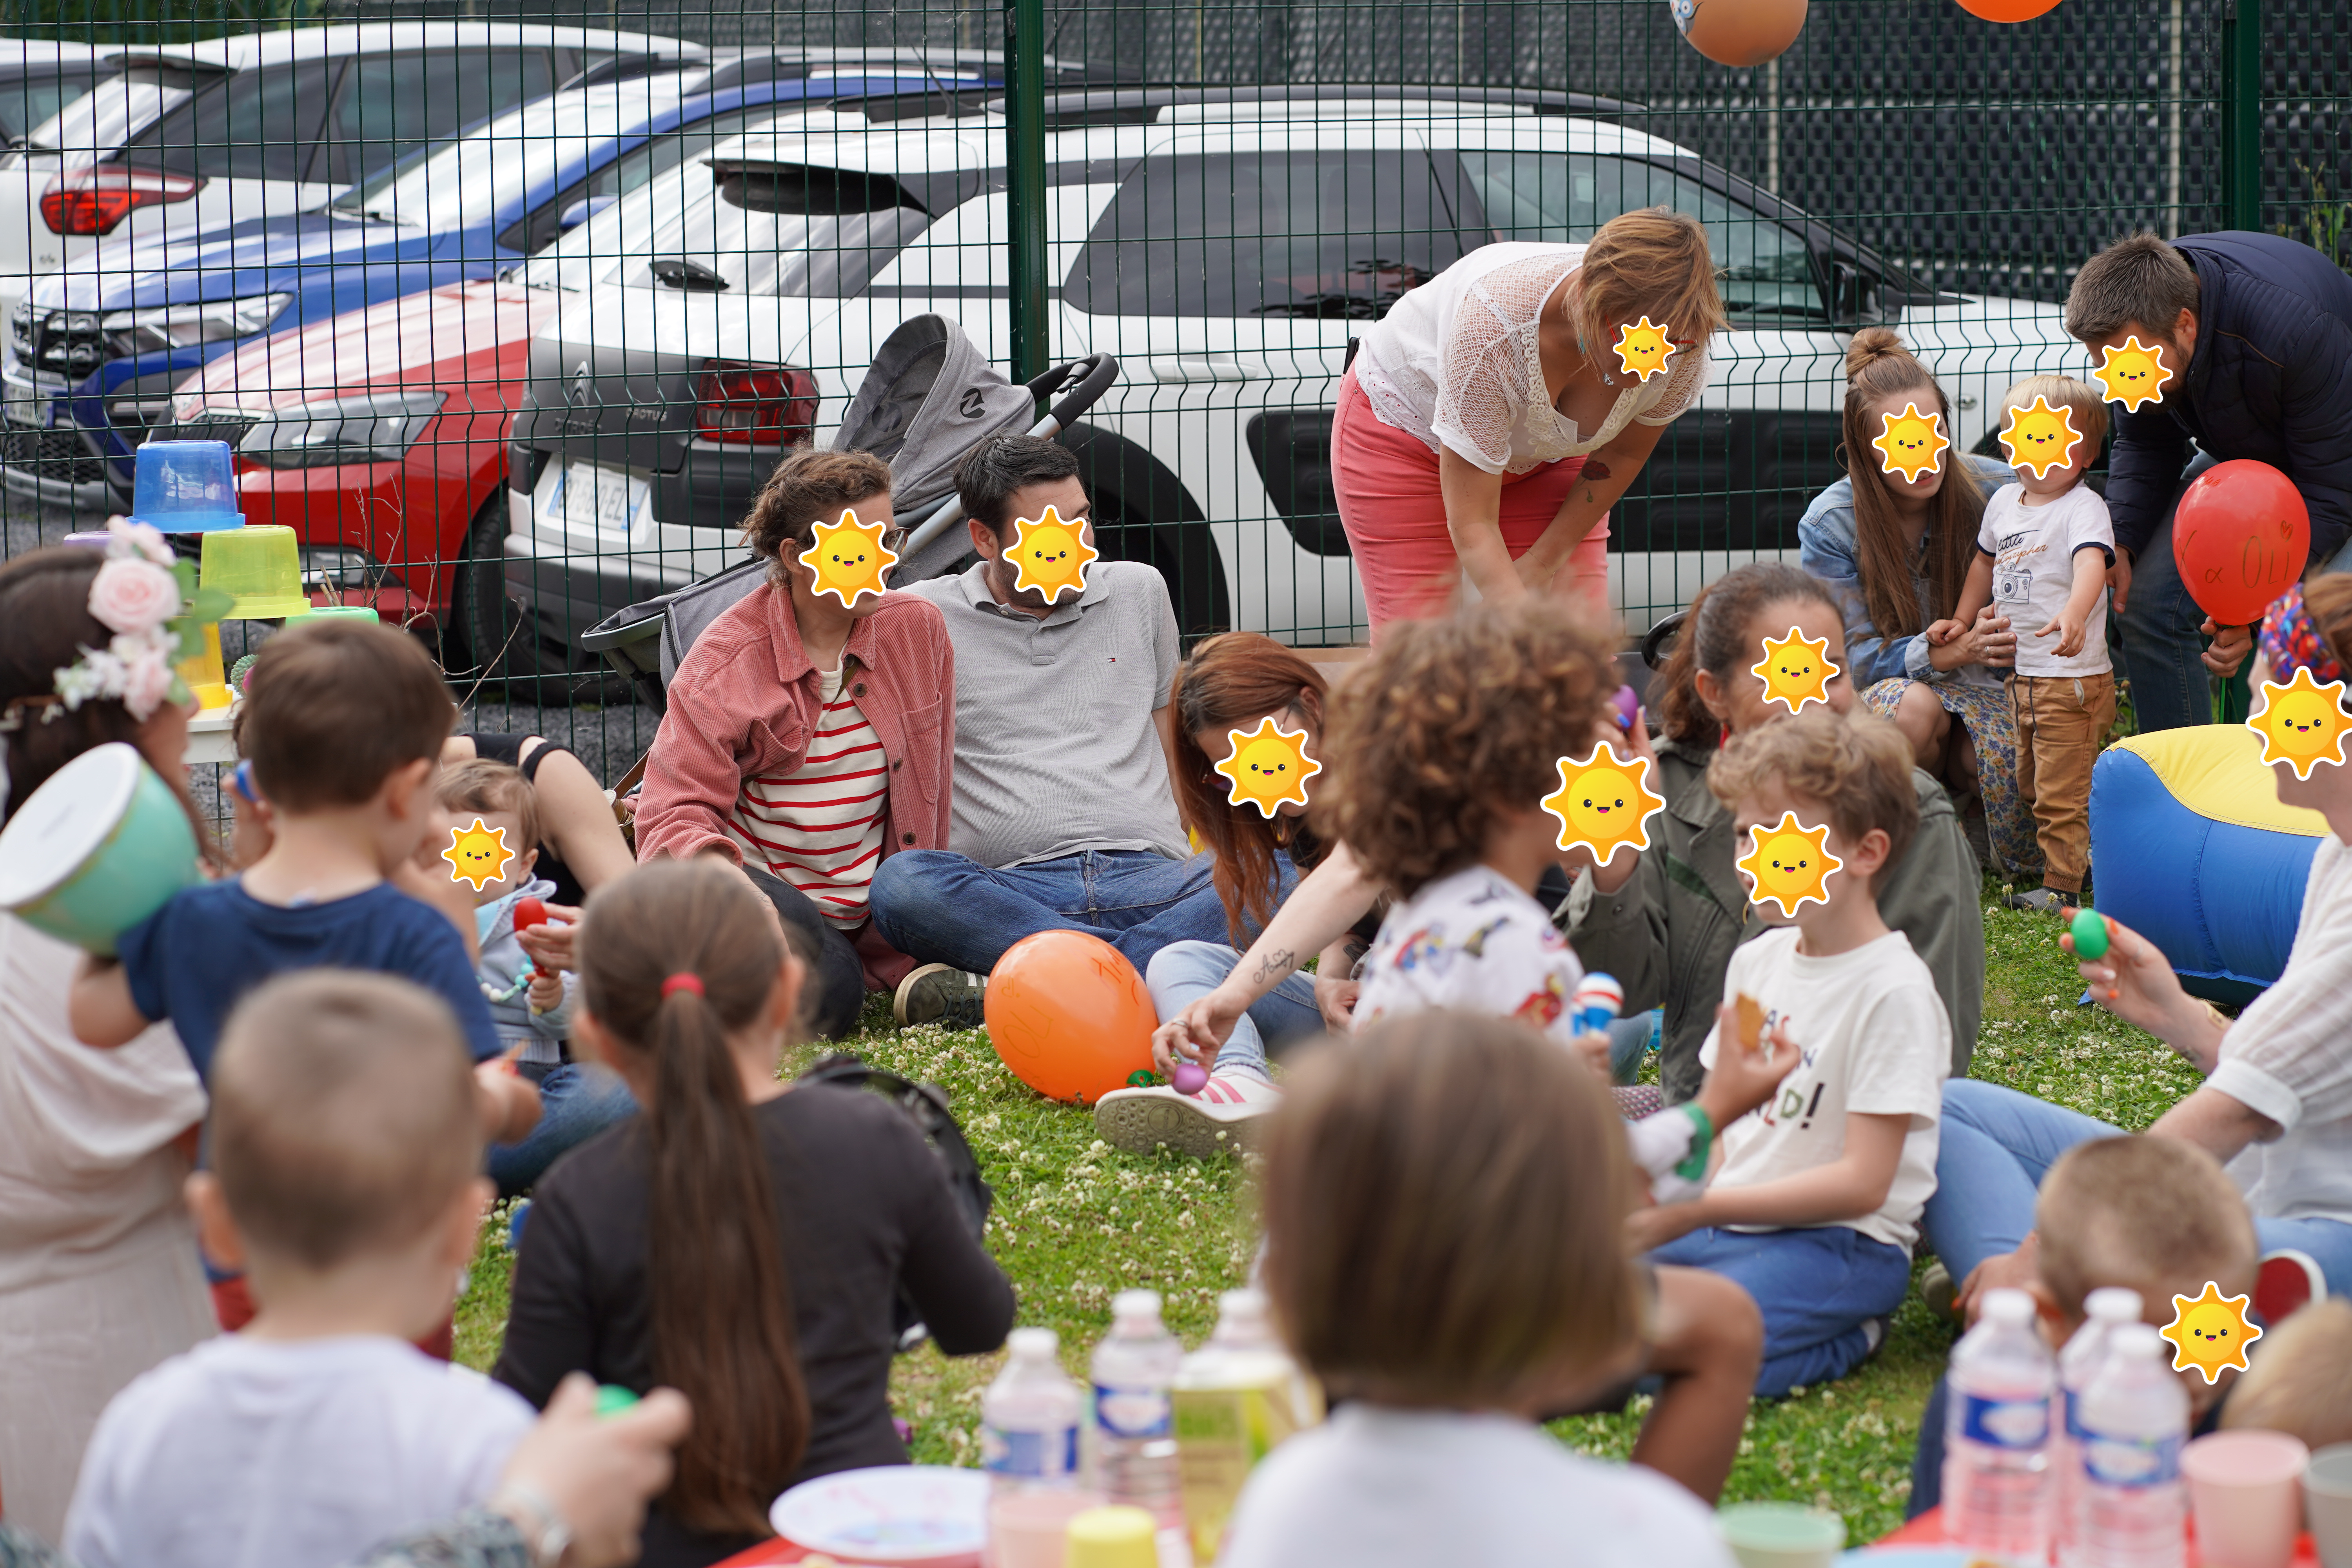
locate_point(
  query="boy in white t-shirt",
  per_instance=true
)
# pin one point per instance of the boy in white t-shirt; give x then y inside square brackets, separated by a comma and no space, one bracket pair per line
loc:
[346,1157]
[1816,1200]
[2042,558]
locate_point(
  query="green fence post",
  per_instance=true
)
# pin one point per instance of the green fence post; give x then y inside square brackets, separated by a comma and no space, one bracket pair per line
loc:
[1025,169]
[2242,113]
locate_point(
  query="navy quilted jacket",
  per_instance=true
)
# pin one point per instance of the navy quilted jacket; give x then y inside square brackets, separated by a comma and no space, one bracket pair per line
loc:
[2271,379]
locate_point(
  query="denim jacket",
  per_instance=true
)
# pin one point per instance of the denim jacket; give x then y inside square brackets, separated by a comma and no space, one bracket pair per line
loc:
[1826,549]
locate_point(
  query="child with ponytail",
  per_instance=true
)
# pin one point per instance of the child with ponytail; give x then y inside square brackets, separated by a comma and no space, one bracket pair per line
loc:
[744,1240]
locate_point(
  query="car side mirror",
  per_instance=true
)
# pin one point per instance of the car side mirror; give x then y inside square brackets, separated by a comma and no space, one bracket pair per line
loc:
[580,211]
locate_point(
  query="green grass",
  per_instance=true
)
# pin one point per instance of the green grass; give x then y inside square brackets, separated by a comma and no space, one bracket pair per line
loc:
[1075,1221]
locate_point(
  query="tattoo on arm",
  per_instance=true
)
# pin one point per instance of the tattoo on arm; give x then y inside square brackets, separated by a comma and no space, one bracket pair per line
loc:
[1278,962]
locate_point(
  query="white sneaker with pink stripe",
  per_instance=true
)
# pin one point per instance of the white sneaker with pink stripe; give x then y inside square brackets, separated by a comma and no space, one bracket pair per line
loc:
[1223,1119]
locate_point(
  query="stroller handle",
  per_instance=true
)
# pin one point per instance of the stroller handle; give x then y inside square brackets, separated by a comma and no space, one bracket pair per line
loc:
[1092,376]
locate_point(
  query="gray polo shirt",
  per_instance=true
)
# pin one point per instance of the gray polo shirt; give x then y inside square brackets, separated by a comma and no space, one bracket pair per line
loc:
[1057,750]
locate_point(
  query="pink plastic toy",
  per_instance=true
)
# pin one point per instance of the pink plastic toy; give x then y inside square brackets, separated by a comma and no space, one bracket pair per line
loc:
[1628,706]
[1189,1078]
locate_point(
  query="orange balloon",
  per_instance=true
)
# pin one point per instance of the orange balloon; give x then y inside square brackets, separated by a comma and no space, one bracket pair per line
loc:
[1739,33]
[2008,10]
[1070,1015]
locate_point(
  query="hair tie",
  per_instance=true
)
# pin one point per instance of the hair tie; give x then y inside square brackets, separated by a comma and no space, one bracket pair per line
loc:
[684,980]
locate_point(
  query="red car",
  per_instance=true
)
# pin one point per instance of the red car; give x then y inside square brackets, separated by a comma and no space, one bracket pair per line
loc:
[379,437]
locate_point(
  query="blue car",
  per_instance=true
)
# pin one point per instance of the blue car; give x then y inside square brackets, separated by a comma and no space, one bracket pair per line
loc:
[94,350]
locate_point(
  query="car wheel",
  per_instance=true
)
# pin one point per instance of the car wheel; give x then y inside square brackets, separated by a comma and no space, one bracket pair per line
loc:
[502,644]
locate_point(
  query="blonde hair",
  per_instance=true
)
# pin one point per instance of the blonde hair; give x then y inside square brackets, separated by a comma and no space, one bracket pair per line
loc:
[2300,1381]
[1857,769]
[1653,262]
[1445,1199]
[484,785]
[2062,392]
[2156,1214]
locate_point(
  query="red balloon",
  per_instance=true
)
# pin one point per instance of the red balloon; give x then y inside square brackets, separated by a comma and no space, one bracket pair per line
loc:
[1070,1015]
[2240,538]
[2008,10]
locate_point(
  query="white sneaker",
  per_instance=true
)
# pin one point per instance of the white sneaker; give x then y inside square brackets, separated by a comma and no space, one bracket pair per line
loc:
[1223,1119]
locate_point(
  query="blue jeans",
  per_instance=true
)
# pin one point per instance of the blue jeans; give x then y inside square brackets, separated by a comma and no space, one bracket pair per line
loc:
[1182,972]
[576,1101]
[2170,685]
[1996,1146]
[1815,1287]
[938,907]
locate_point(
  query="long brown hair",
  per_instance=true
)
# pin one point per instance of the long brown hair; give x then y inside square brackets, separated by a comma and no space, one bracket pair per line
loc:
[1715,638]
[1878,365]
[44,624]
[722,1313]
[1231,680]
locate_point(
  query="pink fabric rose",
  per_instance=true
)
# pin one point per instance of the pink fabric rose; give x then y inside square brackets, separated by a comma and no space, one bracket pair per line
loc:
[146,674]
[133,594]
[139,537]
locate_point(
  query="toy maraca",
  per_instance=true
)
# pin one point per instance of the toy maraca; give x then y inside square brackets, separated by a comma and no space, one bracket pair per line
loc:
[1189,1078]
[2089,930]
[1628,706]
[1594,1007]
[529,912]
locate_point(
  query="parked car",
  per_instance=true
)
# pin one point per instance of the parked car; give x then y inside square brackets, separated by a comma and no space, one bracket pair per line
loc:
[98,347]
[380,435]
[39,76]
[198,136]
[1226,247]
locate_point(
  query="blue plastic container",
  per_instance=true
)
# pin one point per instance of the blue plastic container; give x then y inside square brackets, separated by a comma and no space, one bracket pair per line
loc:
[185,487]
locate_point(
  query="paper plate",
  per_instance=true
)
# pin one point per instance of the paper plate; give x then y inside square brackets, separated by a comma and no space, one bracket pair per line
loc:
[905,1516]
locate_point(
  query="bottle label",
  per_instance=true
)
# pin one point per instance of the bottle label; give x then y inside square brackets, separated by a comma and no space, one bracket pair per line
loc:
[1132,1413]
[2019,1424]
[1043,1456]
[2074,1403]
[2134,1464]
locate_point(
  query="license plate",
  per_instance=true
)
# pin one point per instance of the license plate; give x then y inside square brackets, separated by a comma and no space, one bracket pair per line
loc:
[590,498]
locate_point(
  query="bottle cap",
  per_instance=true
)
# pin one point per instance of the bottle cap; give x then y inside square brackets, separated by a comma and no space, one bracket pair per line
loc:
[1111,1537]
[2113,1304]
[2011,1308]
[1033,1344]
[2136,1341]
[1135,1304]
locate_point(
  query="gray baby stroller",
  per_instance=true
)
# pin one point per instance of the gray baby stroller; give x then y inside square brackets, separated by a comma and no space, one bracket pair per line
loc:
[928,398]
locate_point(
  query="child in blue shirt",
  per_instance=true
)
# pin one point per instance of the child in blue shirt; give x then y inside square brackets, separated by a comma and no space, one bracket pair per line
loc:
[343,725]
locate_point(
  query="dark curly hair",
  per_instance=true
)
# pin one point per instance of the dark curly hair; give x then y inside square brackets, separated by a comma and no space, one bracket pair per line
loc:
[1451,722]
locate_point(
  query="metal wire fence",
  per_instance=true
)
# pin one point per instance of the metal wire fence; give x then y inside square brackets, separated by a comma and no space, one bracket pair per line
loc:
[509,306]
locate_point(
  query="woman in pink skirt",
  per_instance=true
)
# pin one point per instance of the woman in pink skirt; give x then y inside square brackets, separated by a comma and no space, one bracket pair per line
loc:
[1490,420]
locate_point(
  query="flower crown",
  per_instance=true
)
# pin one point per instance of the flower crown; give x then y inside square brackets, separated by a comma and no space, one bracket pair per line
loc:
[150,601]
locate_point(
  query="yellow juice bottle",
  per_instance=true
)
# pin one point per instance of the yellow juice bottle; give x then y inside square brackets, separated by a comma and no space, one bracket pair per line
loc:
[1234,1400]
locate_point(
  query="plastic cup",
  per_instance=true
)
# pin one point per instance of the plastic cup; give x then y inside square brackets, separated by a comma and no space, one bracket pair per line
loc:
[1111,1537]
[202,671]
[261,566]
[185,487]
[2327,1500]
[2245,1490]
[1031,1528]
[347,613]
[97,540]
[95,851]
[1780,1534]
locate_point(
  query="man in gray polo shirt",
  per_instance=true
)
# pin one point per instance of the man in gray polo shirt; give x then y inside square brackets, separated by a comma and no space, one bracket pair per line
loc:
[1063,817]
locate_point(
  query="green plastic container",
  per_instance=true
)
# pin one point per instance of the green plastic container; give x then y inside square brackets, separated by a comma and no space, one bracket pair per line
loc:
[346,612]
[261,566]
[1780,1534]
[95,851]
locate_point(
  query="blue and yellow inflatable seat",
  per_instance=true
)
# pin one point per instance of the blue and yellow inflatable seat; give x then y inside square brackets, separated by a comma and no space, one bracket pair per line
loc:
[2190,847]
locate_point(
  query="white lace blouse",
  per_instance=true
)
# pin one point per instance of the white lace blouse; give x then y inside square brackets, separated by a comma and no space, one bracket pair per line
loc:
[1455,362]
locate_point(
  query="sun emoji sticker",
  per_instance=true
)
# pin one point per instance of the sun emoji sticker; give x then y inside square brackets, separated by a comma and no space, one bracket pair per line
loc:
[1788,864]
[2210,1332]
[2302,723]
[849,559]
[1604,801]
[1642,349]
[2134,373]
[1795,670]
[478,855]
[1267,765]
[2040,438]
[1911,443]
[1051,556]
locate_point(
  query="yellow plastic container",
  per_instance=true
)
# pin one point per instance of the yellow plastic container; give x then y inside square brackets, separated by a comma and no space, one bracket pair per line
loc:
[261,566]
[202,671]
[1111,1537]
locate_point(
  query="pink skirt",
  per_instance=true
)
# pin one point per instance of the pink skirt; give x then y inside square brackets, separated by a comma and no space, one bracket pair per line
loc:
[1394,515]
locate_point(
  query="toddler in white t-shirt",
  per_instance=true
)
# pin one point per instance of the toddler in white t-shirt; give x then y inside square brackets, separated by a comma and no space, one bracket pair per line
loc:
[346,1145]
[1816,1200]
[2042,558]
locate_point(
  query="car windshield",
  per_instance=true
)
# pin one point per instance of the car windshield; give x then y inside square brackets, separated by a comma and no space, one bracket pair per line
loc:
[592,252]
[478,177]
[786,229]
[119,108]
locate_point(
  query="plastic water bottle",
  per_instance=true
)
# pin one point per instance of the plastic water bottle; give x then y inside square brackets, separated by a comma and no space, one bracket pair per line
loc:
[1029,1419]
[1997,1435]
[2105,1311]
[1135,1434]
[2134,1419]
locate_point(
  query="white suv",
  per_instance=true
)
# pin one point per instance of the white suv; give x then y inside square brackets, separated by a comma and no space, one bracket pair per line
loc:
[196,136]
[1226,251]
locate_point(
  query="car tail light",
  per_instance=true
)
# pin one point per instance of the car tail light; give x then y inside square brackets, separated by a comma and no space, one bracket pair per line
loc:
[755,406]
[94,197]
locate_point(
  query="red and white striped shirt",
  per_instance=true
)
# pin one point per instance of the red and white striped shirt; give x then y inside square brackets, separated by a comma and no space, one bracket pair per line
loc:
[819,827]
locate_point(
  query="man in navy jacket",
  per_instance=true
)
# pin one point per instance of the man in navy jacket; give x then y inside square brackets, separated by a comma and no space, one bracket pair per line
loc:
[2255,332]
